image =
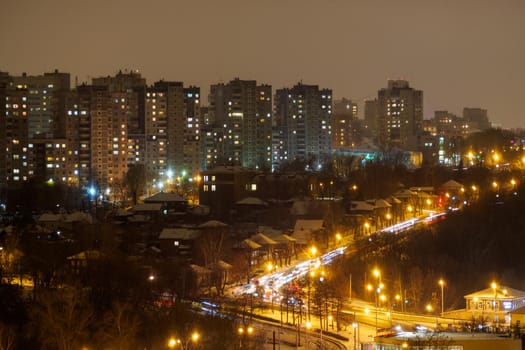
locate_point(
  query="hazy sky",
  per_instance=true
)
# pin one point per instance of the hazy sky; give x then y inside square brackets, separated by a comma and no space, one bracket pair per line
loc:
[459,52]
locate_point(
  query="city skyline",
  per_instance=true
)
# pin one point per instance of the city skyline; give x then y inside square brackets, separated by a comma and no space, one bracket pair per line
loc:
[464,54]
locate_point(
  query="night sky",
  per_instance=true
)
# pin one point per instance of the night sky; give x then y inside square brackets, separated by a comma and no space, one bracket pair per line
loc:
[460,53]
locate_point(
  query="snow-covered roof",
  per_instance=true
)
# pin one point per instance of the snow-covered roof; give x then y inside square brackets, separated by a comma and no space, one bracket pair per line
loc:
[200,270]
[379,203]
[283,238]
[252,201]
[308,225]
[212,224]
[79,217]
[162,197]
[248,243]
[85,255]
[49,217]
[403,194]
[155,207]
[179,233]
[221,265]
[361,206]
[501,292]
[262,239]
[452,185]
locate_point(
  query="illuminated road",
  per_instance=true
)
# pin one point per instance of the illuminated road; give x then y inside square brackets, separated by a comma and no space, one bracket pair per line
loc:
[274,281]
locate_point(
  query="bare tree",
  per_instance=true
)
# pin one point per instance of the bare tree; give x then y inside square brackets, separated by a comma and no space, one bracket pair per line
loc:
[10,257]
[63,319]
[7,336]
[121,327]
[415,285]
[434,340]
[136,180]
[211,241]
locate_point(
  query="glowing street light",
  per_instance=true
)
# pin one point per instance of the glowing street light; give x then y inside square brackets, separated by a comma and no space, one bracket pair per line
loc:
[243,333]
[429,308]
[367,227]
[378,290]
[173,342]
[494,286]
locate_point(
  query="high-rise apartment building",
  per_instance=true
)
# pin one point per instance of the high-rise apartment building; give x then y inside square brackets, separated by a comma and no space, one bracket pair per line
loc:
[172,104]
[240,122]
[191,149]
[97,136]
[14,157]
[303,116]
[156,132]
[399,117]
[45,102]
[344,123]
[4,81]
[133,85]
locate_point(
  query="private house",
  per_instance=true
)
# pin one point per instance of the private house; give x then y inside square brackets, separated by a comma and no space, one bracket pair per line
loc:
[250,208]
[81,260]
[147,211]
[305,230]
[170,201]
[179,241]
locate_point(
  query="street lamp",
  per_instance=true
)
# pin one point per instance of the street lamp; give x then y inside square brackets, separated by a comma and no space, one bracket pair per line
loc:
[429,308]
[173,342]
[338,238]
[243,333]
[378,289]
[495,288]
[442,285]
[308,326]
[313,251]
[355,325]
[388,216]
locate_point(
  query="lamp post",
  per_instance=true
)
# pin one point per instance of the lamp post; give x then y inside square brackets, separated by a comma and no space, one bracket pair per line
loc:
[355,325]
[442,285]
[308,326]
[173,342]
[377,290]
[311,274]
[243,333]
[338,238]
[495,288]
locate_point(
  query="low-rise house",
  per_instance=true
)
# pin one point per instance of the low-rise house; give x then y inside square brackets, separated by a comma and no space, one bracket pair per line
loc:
[305,230]
[170,201]
[150,211]
[179,241]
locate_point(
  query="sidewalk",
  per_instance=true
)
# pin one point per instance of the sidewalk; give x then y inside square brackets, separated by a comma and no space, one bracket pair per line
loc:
[288,336]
